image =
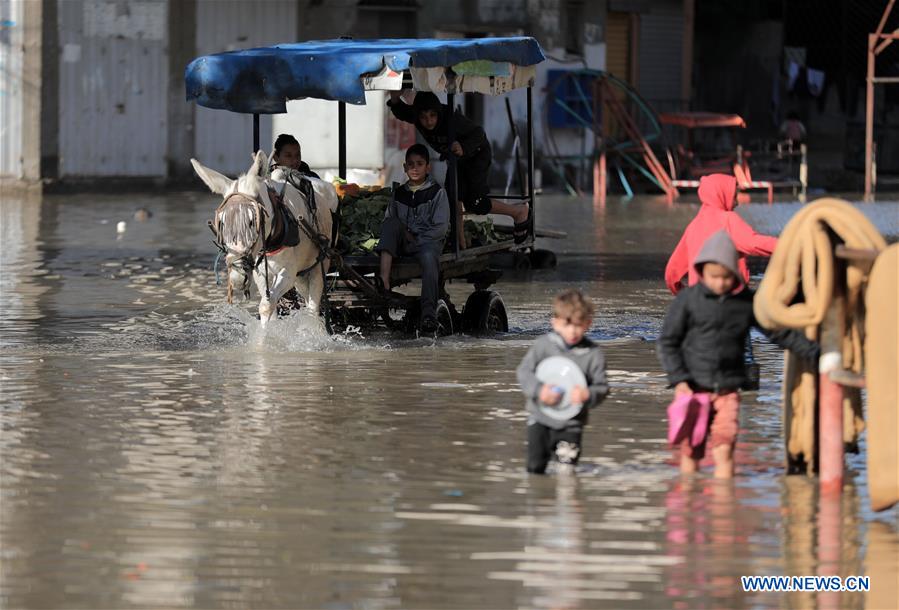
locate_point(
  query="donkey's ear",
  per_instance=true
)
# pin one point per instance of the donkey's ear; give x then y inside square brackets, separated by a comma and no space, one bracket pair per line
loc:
[217,183]
[259,164]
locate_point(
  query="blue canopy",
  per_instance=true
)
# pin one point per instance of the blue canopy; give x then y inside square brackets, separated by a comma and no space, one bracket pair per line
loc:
[262,80]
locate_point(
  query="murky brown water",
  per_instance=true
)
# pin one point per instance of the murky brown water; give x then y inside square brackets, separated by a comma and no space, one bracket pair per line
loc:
[159,451]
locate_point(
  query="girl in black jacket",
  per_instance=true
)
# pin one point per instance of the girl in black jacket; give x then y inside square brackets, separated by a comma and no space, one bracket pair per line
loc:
[702,344]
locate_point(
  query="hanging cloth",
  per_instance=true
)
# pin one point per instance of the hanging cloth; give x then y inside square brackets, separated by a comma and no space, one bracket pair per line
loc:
[815,80]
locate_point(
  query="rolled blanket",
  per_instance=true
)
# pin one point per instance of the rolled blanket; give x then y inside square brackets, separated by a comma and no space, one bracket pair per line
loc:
[882,376]
[796,292]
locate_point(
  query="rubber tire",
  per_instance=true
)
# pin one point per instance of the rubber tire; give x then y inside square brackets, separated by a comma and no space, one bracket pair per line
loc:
[412,319]
[444,319]
[484,313]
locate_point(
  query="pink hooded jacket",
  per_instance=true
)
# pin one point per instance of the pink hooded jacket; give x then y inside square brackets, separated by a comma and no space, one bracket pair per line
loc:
[717,193]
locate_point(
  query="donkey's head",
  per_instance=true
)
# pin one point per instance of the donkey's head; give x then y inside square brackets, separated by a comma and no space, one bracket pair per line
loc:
[239,220]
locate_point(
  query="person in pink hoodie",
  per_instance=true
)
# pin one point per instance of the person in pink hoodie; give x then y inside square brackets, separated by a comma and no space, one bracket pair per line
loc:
[718,194]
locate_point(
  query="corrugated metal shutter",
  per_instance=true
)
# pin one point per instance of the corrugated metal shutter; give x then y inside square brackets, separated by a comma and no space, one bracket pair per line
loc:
[11,33]
[224,140]
[113,76]
[618,61]
[618,43]
[661,48]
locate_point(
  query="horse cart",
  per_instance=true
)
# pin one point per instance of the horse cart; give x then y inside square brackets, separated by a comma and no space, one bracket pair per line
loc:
[340,284]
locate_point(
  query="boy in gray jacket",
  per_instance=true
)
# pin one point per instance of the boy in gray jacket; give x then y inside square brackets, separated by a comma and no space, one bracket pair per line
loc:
[572,318]
[415,223]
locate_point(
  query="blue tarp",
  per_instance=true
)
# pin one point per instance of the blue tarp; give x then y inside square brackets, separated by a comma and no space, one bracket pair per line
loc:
[262,80]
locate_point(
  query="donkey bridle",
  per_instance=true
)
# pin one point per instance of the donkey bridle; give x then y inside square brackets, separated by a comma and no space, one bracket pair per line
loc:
[246,261]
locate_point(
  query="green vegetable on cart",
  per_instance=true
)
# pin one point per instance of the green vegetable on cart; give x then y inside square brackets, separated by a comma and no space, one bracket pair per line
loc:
[362,212]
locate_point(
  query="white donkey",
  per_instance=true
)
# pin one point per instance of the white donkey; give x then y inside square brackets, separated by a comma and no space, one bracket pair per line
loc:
[258,239]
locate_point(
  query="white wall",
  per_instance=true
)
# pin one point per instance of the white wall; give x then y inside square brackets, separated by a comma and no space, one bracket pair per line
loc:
[113,77]
[11,87]
[314,123]
[224,140]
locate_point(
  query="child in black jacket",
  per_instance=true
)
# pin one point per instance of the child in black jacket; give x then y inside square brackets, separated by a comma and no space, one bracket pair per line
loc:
[473,153]
[702,344]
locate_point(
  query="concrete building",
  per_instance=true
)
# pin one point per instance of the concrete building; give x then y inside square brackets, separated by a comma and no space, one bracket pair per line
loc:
[92,90]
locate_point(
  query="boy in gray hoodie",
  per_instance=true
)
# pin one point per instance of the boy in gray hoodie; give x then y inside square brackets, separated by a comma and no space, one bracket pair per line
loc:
[572,317]
[415,223]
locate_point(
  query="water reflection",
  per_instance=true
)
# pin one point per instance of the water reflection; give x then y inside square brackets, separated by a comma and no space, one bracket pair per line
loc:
[881,563]
[703,529]
[22,275]
[158,449]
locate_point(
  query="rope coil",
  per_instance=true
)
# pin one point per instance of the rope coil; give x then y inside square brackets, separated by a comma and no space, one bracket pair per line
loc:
[801,281]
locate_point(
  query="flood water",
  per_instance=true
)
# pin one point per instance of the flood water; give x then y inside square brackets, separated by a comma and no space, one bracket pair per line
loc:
[160,451]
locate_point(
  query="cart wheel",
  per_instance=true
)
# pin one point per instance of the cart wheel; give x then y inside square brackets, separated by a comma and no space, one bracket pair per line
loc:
[389,321]
[484,313]
[444,319]
[412,317]
[455,316]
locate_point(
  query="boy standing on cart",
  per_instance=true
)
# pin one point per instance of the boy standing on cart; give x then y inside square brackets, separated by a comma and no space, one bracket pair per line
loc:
[415,223]
[473,156]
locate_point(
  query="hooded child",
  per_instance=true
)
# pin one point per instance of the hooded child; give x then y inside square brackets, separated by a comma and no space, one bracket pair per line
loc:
[718,194]
[702,347]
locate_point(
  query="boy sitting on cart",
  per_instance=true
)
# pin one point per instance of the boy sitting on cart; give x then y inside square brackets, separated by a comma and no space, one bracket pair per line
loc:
[415,223]
[472,149]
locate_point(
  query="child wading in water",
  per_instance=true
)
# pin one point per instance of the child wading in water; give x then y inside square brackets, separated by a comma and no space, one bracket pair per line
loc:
[702,344]
[472,149]
[572,317]
[718,194]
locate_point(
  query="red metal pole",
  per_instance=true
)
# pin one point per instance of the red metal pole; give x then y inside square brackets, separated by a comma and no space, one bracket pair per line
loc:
[884,17]
[830,431]
[873,50]
[599,153]
[830,399]
[869,117]
[603,186]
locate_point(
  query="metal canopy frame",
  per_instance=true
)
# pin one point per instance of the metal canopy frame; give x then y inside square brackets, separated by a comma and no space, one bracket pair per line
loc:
[527,189]
[222,75]
[877,42]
